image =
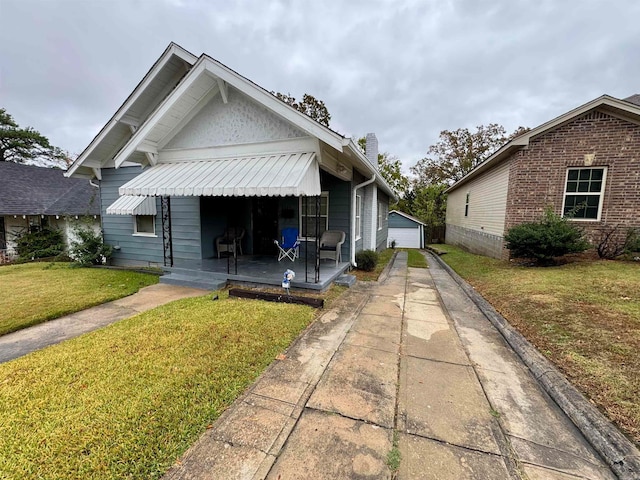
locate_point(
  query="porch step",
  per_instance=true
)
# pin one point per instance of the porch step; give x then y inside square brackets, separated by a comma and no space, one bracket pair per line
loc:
[191,281]
[345,280]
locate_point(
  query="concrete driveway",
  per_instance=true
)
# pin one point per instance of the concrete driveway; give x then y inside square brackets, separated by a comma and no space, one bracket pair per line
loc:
[409,365]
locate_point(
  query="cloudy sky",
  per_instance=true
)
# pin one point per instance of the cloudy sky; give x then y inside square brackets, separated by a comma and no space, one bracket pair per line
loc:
[403,69]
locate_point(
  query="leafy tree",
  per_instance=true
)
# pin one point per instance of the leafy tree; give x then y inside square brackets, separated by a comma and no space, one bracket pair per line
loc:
[430,204]
[309,105]
[459,151]
[550,237]
[390,167]
[26,145]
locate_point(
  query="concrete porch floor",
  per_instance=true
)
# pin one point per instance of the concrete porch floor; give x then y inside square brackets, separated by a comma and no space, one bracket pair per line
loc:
[213,273]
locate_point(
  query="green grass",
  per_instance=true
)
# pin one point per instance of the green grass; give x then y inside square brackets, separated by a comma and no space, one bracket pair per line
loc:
[126,401]
[33,293]
[415,258]
[583,315]
[394,456]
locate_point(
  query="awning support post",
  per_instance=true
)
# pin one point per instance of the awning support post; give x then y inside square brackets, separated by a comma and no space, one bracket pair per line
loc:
[167,242]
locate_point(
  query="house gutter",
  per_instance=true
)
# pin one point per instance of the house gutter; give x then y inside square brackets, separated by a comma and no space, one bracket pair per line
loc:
[353,216]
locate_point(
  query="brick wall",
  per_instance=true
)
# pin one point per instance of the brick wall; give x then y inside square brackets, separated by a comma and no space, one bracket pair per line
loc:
[538,174]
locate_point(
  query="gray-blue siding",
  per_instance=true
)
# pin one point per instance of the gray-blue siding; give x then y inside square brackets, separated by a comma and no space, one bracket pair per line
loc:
[137,250]
[398,221]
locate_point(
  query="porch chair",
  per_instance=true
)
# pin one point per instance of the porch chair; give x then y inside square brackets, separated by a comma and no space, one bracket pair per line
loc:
[230,240]
[290,246]
[331,245]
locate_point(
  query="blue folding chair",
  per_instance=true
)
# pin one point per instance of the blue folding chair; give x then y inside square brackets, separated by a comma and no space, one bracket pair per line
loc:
[290,245]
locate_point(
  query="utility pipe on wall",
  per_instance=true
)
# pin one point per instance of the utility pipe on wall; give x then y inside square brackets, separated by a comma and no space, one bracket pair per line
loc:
[353,217]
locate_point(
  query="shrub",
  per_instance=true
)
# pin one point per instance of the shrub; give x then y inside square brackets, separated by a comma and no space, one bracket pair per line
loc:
[41,244]
[367,260]
[632,242]
[611,244]
[553,236]
[89,249]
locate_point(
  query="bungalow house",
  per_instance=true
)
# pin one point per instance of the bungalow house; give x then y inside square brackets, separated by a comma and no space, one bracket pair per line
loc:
[34,197]
[584,163]
[198,154]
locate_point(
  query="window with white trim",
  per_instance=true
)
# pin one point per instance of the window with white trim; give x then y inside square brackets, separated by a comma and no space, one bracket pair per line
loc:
[381,211]
[144,225]
[583,193]
[358,217]
[308,215]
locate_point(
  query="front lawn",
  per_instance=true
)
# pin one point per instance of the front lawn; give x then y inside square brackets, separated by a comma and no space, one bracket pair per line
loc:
[126,401]
[584,316]
[33,293]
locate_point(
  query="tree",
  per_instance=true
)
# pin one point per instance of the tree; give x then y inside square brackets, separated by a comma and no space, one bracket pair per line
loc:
[309,105]
[26,145]
[460,151]
[390,167]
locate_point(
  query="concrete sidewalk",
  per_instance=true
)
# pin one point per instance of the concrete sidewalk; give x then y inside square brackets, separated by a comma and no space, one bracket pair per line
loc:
[22,342]
[410,365]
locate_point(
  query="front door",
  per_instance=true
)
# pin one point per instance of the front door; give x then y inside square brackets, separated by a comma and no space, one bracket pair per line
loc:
[265,225]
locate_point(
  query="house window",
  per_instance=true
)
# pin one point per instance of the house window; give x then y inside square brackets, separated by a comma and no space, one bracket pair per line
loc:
[358,217]
[144,225]
[381,210]
[308,215]
[466,206]
[583,193]
[35,224]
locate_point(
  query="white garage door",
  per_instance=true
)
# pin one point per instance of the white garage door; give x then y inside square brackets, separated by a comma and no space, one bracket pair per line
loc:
[405,237]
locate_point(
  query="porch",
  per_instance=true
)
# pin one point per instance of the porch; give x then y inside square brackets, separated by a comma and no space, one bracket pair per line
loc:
[263,270]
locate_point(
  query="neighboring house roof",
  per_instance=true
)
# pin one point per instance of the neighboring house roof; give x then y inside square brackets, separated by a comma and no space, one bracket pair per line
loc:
[626,109]
[635,99]
[31,190]
[407,216]
[205,78]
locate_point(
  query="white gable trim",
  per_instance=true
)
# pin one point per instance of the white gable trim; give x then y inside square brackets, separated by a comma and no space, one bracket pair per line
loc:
[216,71]
[121,113]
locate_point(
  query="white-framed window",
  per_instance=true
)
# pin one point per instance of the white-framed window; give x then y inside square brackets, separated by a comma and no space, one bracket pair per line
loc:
[144,225]
[583,192]
[308,215]
[358,217]
[381,211]
[466,205]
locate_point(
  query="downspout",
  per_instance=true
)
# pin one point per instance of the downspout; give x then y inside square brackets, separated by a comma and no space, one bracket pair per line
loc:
[353,217]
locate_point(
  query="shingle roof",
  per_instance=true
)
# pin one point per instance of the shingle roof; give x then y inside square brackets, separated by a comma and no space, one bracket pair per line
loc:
[31,190]
[635,99]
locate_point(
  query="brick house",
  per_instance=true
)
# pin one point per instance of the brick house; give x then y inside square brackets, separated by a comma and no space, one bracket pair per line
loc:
[586,161]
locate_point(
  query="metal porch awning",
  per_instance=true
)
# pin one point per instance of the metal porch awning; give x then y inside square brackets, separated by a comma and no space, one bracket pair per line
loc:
[132,205]
[281,174]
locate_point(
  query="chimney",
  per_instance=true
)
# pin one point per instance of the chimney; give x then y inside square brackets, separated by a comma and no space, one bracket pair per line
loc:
[371,148]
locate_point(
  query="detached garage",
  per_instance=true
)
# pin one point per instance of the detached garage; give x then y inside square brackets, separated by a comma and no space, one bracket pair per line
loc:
[407,231]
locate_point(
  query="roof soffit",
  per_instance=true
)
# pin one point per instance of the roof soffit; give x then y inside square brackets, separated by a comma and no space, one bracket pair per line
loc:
[172,57]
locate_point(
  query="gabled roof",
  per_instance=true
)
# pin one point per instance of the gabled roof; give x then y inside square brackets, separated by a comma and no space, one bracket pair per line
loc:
[157,83]
[31,190]
[407,216]
[625,109]
[205,78]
